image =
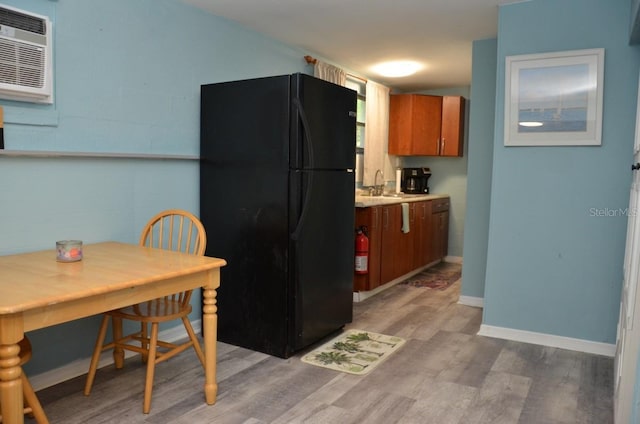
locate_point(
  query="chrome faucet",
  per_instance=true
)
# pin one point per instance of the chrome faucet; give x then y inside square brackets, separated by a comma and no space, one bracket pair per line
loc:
[378,188]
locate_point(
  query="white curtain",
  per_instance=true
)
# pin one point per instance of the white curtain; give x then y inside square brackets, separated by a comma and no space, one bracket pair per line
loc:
[329,73]
[376,134]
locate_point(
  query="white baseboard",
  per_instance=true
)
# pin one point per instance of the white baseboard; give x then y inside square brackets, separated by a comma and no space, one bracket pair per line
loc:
[363,295]
[81,366]
[476,302]
[580,345]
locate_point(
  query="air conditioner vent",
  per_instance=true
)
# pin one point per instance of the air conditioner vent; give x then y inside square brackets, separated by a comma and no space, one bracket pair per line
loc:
[26,72]
[21,64]
[19,20]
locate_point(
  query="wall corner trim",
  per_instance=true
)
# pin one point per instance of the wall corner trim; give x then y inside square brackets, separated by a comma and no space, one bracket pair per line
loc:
[476,302]
[453,259]
[580,345]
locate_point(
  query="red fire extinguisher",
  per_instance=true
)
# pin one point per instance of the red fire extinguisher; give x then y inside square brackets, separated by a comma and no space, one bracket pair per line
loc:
[362,252]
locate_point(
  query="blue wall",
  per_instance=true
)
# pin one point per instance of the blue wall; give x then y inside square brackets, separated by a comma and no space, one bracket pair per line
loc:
[553,267]
[480,152]
[127,80]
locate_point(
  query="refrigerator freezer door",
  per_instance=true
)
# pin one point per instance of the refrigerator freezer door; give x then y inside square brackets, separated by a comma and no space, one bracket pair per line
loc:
[246,123]
[323,124]
[322,256]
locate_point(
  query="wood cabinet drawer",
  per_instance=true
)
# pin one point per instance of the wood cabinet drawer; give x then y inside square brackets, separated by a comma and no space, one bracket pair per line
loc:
[440,205]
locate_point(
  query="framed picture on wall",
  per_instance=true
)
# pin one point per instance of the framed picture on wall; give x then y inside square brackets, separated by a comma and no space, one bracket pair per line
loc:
[554,99]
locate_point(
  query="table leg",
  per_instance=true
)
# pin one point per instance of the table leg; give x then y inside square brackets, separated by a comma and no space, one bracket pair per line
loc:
[11,400]
[210,330]
[118,352]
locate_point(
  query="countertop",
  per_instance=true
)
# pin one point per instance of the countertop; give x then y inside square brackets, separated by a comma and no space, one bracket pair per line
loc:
[368,201]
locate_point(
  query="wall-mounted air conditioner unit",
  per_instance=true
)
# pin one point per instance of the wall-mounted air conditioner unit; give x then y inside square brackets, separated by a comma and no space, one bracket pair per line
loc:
[26,71]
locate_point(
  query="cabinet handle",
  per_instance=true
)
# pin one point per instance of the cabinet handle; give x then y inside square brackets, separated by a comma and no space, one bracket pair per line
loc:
[443,145]
[385,218]
[374,224]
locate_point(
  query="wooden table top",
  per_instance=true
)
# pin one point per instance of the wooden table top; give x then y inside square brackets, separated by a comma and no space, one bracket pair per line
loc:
[35,280]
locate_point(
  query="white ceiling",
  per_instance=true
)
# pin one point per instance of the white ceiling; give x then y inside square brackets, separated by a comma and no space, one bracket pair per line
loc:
[357,34]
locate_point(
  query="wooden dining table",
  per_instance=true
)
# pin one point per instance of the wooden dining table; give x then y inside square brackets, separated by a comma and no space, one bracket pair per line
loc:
[37,291]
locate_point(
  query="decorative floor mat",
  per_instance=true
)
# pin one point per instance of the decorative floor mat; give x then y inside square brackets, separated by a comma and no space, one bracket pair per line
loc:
[439,277]
[354,351]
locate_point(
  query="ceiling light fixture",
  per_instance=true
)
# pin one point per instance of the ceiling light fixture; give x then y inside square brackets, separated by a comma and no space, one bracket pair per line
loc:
[398,68]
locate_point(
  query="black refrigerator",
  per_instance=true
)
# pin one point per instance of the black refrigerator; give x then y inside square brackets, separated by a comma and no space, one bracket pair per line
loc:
[277,202]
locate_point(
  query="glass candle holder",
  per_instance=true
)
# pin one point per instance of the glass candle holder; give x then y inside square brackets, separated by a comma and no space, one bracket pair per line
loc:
[69,250]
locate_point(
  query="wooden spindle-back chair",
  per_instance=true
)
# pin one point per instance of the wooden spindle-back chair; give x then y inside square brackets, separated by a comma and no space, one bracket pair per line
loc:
[172,229]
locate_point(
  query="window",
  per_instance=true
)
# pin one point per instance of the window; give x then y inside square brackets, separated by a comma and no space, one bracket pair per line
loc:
[360,86]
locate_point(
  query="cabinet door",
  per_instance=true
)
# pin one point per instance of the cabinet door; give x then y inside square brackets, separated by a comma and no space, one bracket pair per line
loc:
[417,226]
[400,128]
[443,233]
[437,242]
[390,241]
[440,239]
[452,132]
[427,117]
[423,234]
[414,124]
[406,241]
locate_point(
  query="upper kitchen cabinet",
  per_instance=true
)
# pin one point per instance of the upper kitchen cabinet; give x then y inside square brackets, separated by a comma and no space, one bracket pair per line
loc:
[452,130]
[424,125]
[414,124]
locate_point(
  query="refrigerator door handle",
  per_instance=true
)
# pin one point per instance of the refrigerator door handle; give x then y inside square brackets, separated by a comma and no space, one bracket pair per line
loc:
[307,135]
[305,205]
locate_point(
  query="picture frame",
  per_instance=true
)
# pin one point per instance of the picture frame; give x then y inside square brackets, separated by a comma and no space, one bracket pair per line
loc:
[554,99]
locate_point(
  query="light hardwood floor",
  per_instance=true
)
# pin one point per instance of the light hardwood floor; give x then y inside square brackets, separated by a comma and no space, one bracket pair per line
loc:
[443,374]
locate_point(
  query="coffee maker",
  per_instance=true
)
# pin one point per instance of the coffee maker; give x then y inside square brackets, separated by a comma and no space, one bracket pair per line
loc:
[414,180]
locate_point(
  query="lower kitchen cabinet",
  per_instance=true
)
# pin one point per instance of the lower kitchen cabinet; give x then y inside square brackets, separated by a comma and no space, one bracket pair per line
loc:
[402,249]
[397,247]
[440,239]
[423,225]
[393,253]
[391,242]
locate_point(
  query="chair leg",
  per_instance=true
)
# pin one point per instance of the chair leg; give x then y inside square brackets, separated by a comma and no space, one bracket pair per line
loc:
[151,363]
[33,402]
[118,352]
[194,339]
[144,333]
[95,358]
